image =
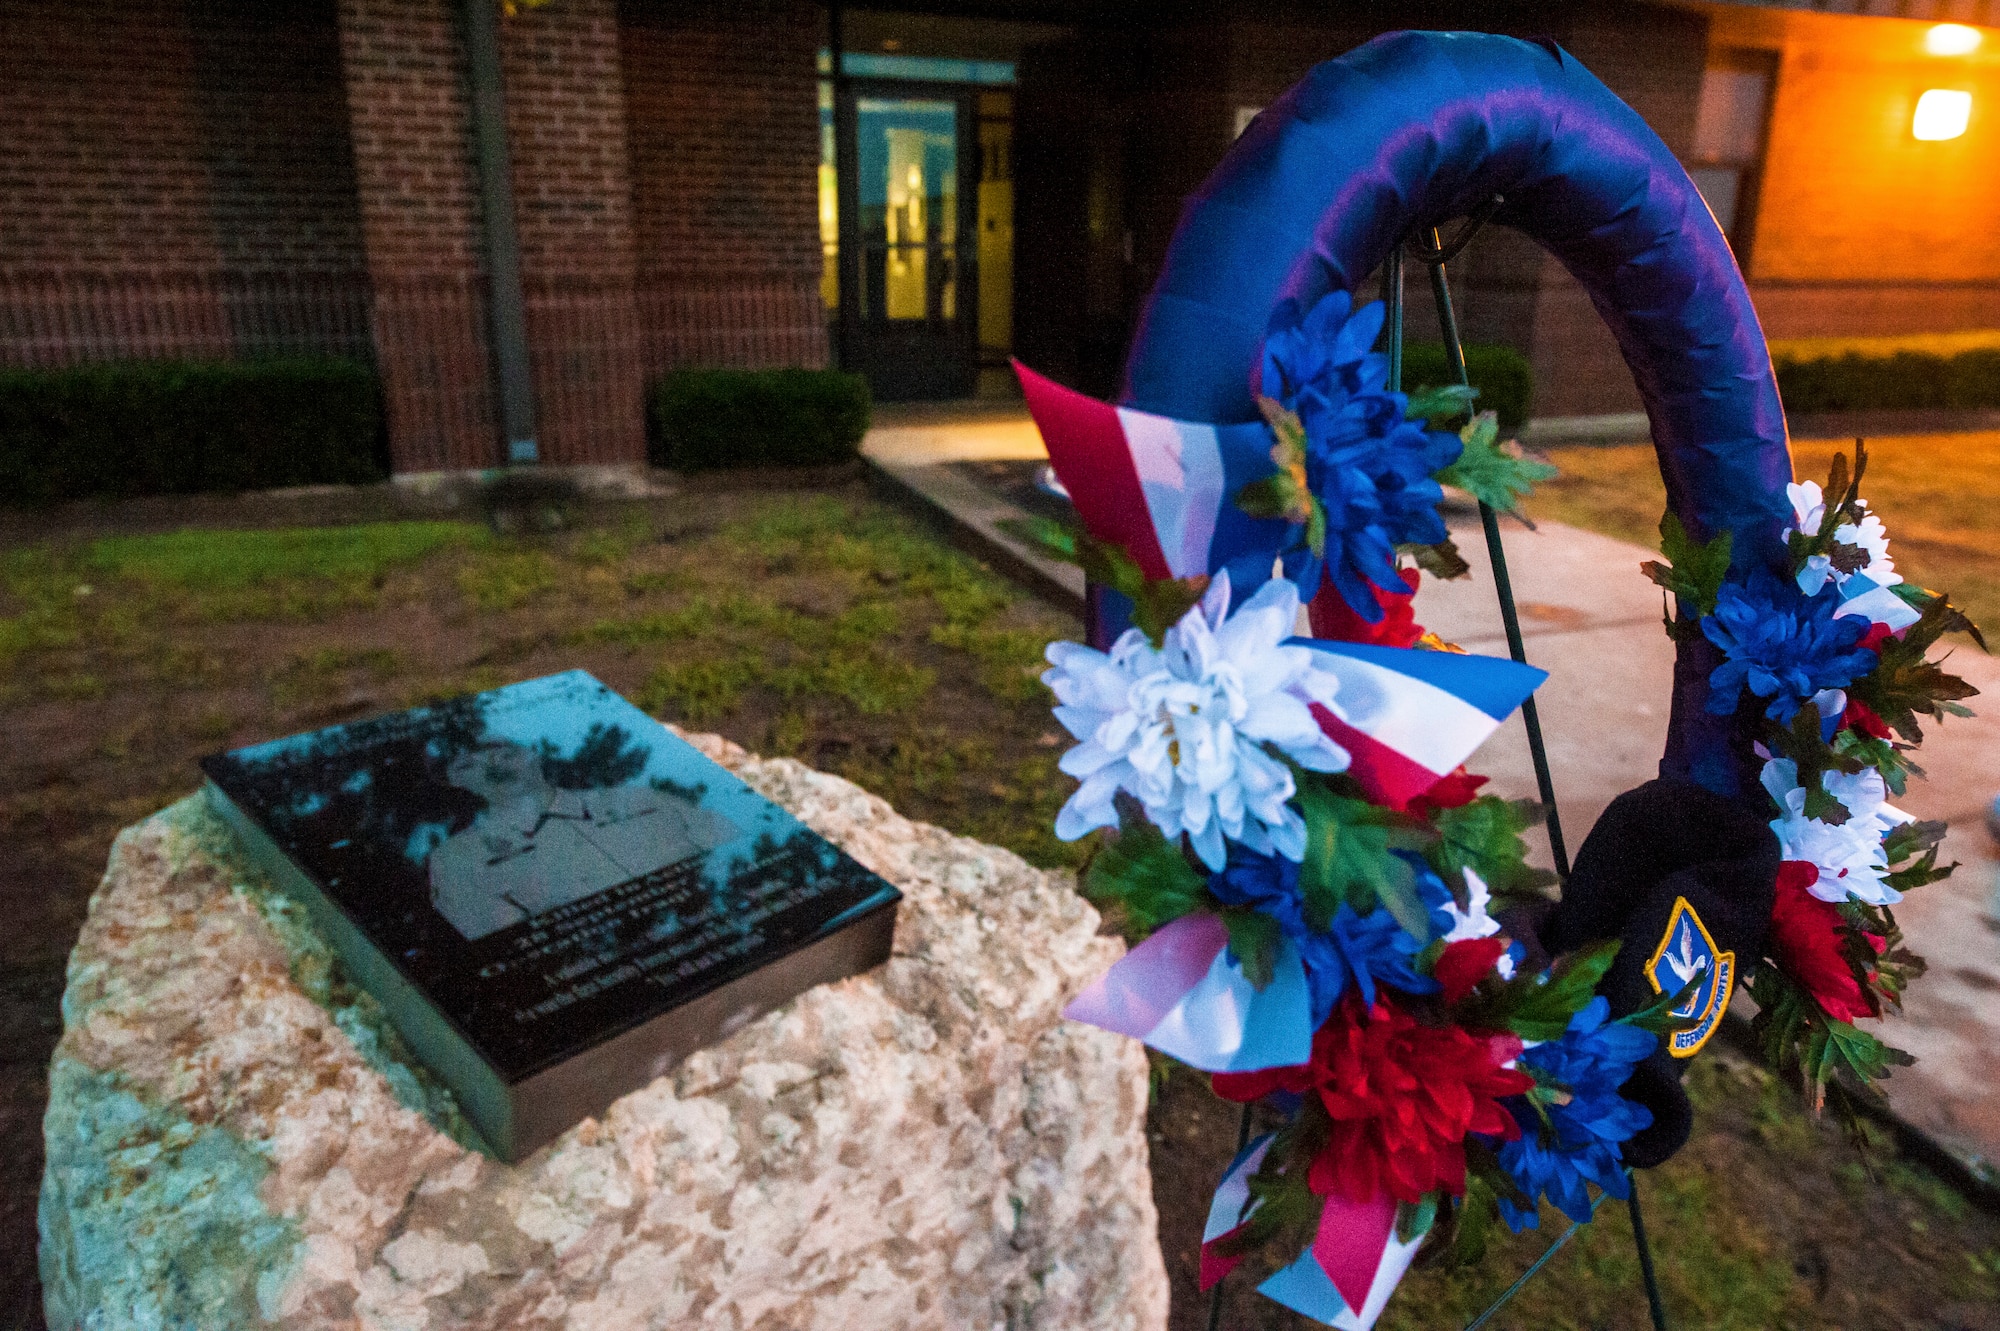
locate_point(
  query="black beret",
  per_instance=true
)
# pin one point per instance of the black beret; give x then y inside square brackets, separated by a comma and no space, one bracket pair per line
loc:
[1666,842]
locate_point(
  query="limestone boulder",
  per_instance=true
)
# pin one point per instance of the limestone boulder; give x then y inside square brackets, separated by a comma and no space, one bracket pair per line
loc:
[237,1139]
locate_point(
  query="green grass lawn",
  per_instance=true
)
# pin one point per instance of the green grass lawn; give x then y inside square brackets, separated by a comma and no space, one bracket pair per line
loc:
[1939,496]
[836,629]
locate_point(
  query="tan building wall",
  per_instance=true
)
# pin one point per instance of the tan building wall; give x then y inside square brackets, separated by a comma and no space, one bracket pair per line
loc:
[1861,228]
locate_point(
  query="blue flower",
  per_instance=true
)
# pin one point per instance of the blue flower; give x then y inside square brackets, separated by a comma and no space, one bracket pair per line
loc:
[1371,469]
[1431,889]
[1580,1142]
[1782,645]
[1326,354]
[1366,949]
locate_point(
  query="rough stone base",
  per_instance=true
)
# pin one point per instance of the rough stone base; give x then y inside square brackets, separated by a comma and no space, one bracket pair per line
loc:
[236,1139]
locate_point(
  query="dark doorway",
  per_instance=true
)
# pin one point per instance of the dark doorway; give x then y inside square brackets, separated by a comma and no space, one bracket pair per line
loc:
[909,280]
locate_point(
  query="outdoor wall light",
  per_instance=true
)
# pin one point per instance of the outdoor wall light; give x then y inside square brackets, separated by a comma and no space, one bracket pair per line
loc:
[1942,113]
[1952,39]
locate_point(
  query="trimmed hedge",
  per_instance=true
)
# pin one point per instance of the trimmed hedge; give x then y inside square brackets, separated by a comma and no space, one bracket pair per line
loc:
[1906,380]
[708,419]
[1501,374]
[186,427]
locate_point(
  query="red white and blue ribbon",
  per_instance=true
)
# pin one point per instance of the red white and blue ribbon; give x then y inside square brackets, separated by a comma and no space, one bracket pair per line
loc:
[1344,1279]
[1181,993]
[1862,595]
[1159,487]
[1355,1263]
[1411,716]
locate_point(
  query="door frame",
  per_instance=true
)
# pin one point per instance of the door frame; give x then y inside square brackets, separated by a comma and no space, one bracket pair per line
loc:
[854,350]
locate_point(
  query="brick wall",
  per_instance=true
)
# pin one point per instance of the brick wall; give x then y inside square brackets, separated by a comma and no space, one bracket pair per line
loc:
[1848,194]
[566,131]
[177,181]
[723,125]
[419,201]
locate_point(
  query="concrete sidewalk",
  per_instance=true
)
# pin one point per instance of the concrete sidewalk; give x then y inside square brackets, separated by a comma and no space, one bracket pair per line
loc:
[1592,619]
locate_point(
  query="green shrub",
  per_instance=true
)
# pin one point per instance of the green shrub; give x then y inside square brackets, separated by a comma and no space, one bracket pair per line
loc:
[1501,374]
[1906,380]
[706,419]
[184,427]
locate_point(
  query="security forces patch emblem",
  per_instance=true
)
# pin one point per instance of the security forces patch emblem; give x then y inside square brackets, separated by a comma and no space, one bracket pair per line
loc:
[1688,953]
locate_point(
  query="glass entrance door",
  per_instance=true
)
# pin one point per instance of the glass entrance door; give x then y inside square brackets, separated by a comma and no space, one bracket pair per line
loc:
[909,281]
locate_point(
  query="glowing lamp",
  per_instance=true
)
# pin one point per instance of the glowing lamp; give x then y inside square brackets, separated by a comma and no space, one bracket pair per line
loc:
[1942,113]
[1952,39]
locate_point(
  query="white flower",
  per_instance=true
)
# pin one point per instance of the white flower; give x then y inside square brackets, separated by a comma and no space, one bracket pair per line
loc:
[1848,855]
[1869,536]
[1184,727]
[1808,506]
[1474,922]
[1808,511]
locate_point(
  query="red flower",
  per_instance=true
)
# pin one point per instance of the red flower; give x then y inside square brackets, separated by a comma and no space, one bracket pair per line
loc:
[1806,942]
[1450,791]
[1465,963]
[1859,716]
[1877,634]
[1402,1097]
[1332,618]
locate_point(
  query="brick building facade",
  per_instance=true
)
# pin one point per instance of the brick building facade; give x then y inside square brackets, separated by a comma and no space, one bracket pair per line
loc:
[248,177]
[232,178]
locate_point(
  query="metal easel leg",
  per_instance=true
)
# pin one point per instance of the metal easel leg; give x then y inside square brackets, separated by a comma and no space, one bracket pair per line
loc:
[1654,1304]
[1454,352]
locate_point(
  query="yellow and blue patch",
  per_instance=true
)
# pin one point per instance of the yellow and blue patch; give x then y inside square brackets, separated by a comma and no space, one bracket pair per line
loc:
[1687,953]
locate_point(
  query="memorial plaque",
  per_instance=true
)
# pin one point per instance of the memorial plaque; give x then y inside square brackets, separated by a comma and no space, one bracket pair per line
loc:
[554,898]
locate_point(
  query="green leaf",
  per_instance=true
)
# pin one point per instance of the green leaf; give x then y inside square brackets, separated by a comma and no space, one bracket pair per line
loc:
[1157,603]
[1821,804]
[1496,474]
[1847,558]
[1657,1016]
[1146,876]
[1051,538]
[1161,602]
[1485,837]
[1253,942]
[1442,561]
[1909,839]
[1801,1040]
[1885,756]
[1694,573]
[1415,1221]
[1861,1053]
[1284,494]
[1348,857]
[1955,620]
[1272,496]
[1538,1010]
[1920,839]
[1315,526]
[1438,404]
[1904,686]
[1475,1222]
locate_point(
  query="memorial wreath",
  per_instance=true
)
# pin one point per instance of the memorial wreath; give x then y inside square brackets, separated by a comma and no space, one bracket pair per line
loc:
[1330,916]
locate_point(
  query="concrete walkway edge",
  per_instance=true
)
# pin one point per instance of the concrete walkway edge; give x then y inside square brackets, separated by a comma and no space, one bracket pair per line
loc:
[970,515]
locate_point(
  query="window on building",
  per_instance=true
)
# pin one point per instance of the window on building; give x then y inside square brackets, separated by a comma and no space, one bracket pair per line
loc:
[932,141]
[1731,126]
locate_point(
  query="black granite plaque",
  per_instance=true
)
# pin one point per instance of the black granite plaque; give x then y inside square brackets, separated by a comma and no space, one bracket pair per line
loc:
[548,891]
